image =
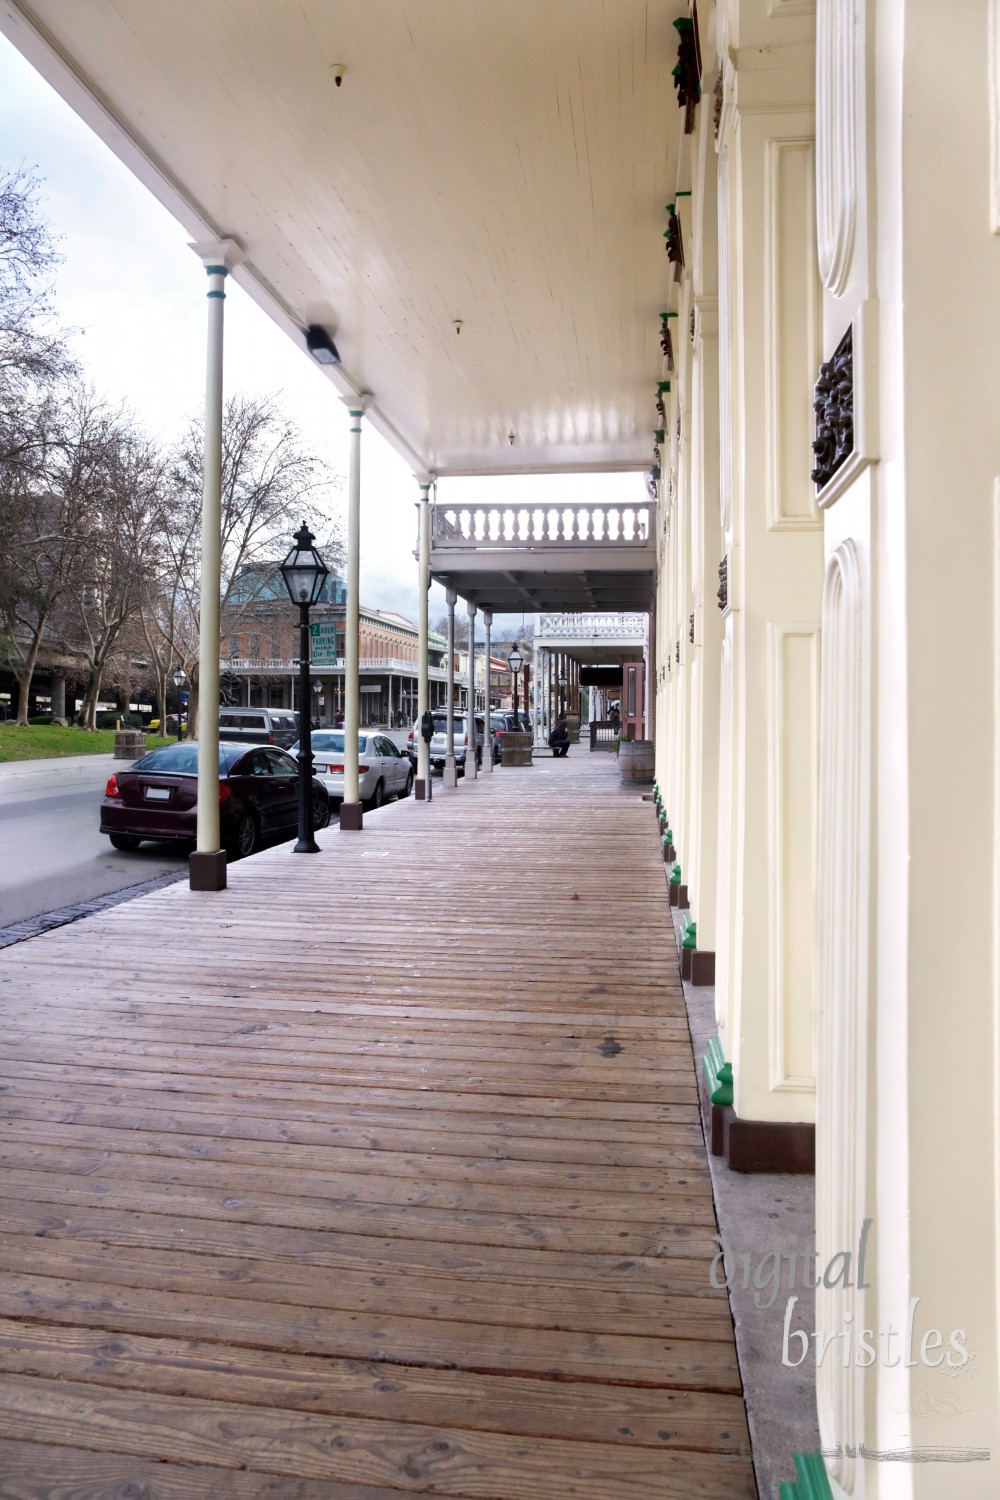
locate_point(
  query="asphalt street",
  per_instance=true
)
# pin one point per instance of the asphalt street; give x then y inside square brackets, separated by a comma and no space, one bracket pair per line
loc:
[51,854]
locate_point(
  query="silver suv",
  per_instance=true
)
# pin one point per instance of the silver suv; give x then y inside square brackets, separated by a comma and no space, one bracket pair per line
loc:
[460,740]
[259,726]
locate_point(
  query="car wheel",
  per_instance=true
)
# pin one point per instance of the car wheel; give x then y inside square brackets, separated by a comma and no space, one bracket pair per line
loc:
[321,811]
[246,837]
[408,788]
[378,795]
[126,842]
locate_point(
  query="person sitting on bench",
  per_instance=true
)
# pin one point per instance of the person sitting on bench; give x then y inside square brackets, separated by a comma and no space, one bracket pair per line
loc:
[559,739]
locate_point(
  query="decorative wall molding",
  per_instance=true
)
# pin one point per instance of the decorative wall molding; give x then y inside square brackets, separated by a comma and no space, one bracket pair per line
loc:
[723,590]
[725,349]
[726,861]
[792,735]
[841,984]
[834,408]
[792,322]
[994,94]
[839,28]
[864,338]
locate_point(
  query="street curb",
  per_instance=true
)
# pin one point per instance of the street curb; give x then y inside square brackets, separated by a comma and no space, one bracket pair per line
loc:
[20,932]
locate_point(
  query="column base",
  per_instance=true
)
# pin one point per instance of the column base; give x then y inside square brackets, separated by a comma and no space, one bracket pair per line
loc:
[449,776]
[702,967]
[420,790]
[207,870]
[761,1145]
[351,816]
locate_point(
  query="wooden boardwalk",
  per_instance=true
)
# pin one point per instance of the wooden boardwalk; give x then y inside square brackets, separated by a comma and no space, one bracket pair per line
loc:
[379,1173]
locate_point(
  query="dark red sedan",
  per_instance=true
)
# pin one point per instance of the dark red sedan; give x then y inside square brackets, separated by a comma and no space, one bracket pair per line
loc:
[157,798]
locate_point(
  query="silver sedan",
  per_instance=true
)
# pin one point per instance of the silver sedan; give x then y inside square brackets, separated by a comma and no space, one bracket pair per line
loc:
[383,771]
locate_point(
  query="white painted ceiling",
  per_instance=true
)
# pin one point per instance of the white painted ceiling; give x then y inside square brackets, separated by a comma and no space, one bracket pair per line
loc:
[502,162]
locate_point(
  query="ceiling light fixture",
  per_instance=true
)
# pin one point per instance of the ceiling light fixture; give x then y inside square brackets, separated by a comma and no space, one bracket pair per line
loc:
[321,345]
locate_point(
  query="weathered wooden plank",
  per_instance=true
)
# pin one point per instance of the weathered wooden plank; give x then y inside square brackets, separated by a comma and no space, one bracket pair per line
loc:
[682,1267]
[46,1471]
[406,1456]
[450,1141]
[710,1421]
[679,1167]
[414,1222]
[496,1303]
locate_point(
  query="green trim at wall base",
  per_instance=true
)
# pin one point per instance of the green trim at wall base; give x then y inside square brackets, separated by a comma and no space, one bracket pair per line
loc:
[811,1483]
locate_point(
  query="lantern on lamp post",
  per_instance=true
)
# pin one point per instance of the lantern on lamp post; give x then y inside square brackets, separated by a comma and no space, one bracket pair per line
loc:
[305,573]
[515,661]
[178,677]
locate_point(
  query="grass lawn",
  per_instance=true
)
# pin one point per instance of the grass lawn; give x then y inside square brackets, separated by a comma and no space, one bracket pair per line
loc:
[39,742]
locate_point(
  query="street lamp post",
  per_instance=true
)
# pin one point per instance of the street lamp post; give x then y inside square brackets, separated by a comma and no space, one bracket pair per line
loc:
[178,677]
[305,573]
[515,661]
[317,693]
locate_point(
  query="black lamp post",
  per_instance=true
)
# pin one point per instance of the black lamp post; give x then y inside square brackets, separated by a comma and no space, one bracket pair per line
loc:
[178,677]
[317,693]
[515,661]
[305,573]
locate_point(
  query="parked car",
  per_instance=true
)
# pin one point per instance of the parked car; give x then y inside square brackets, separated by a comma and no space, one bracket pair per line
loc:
[157,797]
[383,771]
[439,744]
[259,726]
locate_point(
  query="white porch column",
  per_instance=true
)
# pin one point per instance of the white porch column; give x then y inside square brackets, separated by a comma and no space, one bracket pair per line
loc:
[208,863]
[351,815]
[450,776]
[470,765]
[423,655]
[770,591]
[487,736]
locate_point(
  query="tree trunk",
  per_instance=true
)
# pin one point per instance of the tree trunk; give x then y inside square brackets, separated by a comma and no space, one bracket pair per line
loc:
[192,708]
[24,674]
[161,698]
[92,696]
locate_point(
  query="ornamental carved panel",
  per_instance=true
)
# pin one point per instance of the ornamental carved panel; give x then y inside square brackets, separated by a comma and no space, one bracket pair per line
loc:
[722,593]
[833,405]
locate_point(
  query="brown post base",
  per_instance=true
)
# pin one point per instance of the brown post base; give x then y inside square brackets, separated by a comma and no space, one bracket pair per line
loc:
[682,898]
[351,816]
[702,967]
[207,870]
[760,1145]
[675,891]
[686,954]
[420,790]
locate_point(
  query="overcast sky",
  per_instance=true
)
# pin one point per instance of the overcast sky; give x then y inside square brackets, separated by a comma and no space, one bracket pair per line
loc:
[137,292]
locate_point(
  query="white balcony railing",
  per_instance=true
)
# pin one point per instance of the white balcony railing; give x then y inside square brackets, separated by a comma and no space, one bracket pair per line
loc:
[395,664]
[510,528]
[606,627]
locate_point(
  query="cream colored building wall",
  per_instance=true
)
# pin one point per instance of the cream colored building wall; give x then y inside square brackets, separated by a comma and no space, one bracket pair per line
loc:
[909,999]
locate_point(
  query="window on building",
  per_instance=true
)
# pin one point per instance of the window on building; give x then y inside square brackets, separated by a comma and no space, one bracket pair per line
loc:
[277,647]
[234,647]
[255,644]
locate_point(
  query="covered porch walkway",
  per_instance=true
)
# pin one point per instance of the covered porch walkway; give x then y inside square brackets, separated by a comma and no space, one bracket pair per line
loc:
[379,1172]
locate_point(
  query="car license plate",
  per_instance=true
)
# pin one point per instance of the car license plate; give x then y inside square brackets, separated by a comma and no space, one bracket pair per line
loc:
[157,794]
[320,769]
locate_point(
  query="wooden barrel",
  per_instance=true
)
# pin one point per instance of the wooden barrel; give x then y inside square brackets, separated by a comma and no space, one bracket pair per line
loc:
[130,744]
[516,749]
[635,761]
